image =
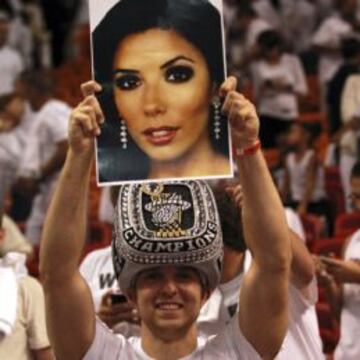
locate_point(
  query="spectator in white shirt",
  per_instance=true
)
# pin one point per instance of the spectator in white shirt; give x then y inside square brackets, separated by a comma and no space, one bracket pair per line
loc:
[279,80]
[11,64]
[327,39]
[15,120]
[45,150]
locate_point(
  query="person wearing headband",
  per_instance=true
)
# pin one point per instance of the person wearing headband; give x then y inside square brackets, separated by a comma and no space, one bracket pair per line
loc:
[167,253]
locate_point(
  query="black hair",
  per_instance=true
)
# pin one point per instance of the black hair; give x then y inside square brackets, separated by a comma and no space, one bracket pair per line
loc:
[350,47]
[39,80]
[355,171]
[313,130]
[270,39]
[198,21]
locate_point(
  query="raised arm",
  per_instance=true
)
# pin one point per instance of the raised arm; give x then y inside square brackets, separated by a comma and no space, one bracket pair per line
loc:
[69,309]
[264,295]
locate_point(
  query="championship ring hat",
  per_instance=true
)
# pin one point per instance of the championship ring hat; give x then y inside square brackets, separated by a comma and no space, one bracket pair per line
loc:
[166,223]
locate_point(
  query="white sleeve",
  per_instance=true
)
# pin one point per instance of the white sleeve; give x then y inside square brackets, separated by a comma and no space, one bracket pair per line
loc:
[230,344]
[294,223]
[106,345]
[323,36]
[300,84]
[58,123]
[350,99]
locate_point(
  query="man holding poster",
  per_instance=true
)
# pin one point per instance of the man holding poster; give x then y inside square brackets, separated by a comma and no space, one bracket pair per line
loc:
[160,64]
[167,254]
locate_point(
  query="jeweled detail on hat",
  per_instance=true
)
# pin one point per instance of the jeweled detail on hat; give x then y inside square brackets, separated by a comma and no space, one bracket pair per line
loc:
[167,210]
[171,246]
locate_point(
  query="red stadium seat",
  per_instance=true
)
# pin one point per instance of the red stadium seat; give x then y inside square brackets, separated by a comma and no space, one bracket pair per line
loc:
[329,327]
[334,190]
[99,232]
[347,223]
[313,226]
[325,246]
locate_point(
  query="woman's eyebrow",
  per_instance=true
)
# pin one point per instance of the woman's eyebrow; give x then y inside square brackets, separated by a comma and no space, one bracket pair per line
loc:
[126,71]
[165,65]
[175,59]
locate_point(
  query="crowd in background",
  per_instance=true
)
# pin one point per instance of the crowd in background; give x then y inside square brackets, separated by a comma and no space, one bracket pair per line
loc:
[297,60]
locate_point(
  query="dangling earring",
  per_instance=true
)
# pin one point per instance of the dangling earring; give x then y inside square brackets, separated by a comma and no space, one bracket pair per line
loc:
[217,117]
[123,135]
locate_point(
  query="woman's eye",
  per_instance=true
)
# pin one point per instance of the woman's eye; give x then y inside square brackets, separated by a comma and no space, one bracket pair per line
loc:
[179,74]
[127,82]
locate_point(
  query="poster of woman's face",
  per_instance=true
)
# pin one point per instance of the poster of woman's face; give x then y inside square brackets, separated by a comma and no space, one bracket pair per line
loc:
[160,64]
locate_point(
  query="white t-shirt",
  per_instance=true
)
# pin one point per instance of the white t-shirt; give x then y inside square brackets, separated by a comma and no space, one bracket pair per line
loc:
[266,11]
[10,67]
[98,271]
[282,105]
[350,104]
[49,127]
[48,130]
[349,344]
[229,344]
[297,174]
[302,341]
[12,145]
[330,34]
[294,222]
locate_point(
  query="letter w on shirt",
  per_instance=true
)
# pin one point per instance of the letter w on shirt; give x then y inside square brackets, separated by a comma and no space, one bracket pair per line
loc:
[106,280]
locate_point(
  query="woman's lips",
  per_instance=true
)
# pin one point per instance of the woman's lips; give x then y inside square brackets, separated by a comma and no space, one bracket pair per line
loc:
[160,136]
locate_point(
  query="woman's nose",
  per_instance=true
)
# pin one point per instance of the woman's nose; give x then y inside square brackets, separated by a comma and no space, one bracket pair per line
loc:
[153,101]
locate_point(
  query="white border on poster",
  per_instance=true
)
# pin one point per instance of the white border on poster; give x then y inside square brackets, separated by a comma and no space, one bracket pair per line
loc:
[97,10]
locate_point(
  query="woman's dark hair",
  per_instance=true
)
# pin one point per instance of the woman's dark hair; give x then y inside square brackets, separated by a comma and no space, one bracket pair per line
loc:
[198,21]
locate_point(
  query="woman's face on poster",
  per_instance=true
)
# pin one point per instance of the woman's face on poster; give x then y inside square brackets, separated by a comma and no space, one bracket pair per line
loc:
[163,92]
